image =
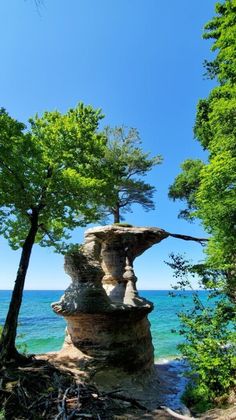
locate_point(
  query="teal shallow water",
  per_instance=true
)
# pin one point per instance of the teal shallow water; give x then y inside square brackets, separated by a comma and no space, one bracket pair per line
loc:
[42,330]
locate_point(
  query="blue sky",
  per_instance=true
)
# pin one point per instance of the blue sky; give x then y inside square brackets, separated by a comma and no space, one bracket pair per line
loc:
[141,62]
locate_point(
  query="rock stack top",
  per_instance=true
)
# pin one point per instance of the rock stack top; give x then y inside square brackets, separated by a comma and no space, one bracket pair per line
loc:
[134,240]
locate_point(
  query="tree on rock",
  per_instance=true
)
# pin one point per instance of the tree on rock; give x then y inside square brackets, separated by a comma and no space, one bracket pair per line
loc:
[51,180]
[126,165]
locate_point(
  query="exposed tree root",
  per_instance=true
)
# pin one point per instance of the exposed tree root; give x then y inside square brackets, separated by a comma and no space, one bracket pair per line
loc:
[39,391]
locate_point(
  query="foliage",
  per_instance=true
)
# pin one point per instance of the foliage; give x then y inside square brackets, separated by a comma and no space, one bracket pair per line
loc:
[51,181]
[123,224]
[222,29]
[186,184]
[22,346]
[209,330]
[209,188]
[59,156]
[126,164]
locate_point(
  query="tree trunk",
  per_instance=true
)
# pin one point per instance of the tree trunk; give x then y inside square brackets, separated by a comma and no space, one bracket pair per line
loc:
[231,284]
[8,349]
[116,213]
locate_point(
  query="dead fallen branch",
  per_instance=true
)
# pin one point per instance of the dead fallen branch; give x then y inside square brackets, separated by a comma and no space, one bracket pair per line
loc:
[43,391]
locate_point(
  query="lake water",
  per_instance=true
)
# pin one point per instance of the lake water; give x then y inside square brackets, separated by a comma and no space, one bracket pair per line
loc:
[42,330]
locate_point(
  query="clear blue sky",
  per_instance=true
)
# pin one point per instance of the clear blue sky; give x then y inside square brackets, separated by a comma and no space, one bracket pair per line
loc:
[141,62]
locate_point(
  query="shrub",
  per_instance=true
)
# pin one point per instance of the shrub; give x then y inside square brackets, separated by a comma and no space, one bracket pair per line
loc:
[209,330]
[2,414]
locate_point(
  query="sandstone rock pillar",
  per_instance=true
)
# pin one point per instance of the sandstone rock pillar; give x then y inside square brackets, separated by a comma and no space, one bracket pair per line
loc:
[106,317]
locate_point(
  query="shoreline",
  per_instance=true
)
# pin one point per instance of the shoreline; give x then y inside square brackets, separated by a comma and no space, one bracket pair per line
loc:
[170,373]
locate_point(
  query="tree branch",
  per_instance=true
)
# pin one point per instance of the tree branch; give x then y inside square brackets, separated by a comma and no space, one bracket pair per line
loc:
[137,172]
[188,238]
[14,174]
[49,234]
[41,203]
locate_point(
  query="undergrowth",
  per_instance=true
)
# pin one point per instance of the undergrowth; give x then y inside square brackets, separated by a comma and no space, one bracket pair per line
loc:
[209,331]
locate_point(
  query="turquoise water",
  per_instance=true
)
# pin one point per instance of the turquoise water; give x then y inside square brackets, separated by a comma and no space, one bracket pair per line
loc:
[43,331]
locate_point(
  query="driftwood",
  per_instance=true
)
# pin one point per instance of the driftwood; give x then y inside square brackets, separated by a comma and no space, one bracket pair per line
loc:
[176,415]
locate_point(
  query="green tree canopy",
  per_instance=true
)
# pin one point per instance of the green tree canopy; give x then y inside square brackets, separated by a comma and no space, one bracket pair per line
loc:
[222,29]
[126,165]
[51,181]
[209,191]
[209,188]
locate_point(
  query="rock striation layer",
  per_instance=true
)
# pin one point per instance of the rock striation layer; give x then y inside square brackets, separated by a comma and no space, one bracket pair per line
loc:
[106,318]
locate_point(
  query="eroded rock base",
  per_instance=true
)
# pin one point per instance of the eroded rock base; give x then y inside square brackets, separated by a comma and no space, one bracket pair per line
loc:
[120,338]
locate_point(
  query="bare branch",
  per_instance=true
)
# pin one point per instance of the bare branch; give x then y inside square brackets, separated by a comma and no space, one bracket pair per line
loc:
[189,238]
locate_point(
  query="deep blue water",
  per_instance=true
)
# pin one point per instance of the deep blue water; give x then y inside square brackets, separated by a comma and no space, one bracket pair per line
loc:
[42,330]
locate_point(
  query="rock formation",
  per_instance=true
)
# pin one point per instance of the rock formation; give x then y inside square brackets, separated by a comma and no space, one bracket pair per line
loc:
[106,317]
